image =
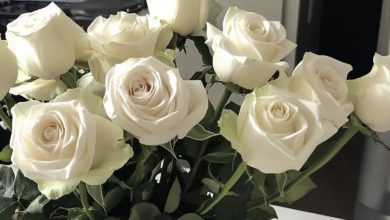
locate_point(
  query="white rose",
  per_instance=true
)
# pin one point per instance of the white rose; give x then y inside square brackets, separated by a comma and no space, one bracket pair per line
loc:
[123,36]
[60,143]
[371,95]
[275,131]
[150,100]
[322,79]
[249,49]
[8,70]
[88,81]
[46,42]
[185,17]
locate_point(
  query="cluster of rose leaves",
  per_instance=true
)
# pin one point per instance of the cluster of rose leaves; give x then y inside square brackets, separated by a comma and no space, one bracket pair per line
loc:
[133,140]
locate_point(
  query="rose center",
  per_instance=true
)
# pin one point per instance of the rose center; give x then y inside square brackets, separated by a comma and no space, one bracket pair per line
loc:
[139,87]
[331,83]
[51,134]
[279,111]
[256,29]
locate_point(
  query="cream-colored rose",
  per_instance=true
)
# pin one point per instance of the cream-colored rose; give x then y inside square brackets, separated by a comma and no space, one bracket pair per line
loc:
[322,79]
[150,100]
[8,70]
[46,42]
[60,143]
[185,17]
[123,36]
[371,95]
[249,49]
[275,130]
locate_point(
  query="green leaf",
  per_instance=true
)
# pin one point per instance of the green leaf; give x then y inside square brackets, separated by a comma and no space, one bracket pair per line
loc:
[169,147]
[36,206]
[258,180]
[5,154]
[299,190]
[173,200]
[200,134]
[7,179]
[237,89]
[96,192]
[263,212]
[69,80]
[76,214]
[190,216]
[368,131]
[203,49]
[114,198]
[281,180]
[233,106]
[183,165]
[209,115]
[220,157]
[230,208]
[144,211]
[7,208]
[33,216]
[25,188]
[212,185]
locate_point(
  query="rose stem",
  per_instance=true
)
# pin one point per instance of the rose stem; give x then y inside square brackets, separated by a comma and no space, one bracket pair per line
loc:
[222,102]
[4,117]
[347,135]
[225,189]
[84,200]
[218,112]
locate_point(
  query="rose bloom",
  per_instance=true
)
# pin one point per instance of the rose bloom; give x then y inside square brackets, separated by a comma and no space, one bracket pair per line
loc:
[371,95]
[123,36]
[46,42]
[322,79]
[66,141]
[185,17]
[8,70]
[249,49]
[275,131]
[150,100]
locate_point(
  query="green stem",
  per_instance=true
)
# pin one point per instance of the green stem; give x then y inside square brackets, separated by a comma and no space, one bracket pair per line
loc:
[4,117]
[221,105]
[138,174]
[226,188]
[196,166]
[218,112]
[84,200]
[347,135]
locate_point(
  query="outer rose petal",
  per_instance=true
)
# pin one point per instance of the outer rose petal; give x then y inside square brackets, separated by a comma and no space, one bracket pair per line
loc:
[87,81]
[8,69]
[197,107]
[100,65]
[44,90]
[55,189]
[91,102]
[231,66]
[108,139]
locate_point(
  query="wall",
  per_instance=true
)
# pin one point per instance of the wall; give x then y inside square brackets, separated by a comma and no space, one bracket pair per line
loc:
[191,62]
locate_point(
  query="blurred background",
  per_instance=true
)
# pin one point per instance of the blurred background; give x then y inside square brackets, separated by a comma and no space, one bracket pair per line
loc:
[356,183]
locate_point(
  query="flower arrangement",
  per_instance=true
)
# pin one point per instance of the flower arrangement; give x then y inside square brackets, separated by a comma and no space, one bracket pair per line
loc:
[103,125]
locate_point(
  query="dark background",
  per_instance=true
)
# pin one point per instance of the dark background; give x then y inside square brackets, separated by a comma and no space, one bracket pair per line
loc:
[345,29]
[348,31]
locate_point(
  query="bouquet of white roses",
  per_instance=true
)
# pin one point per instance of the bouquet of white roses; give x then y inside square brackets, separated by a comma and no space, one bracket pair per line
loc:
[103,125]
